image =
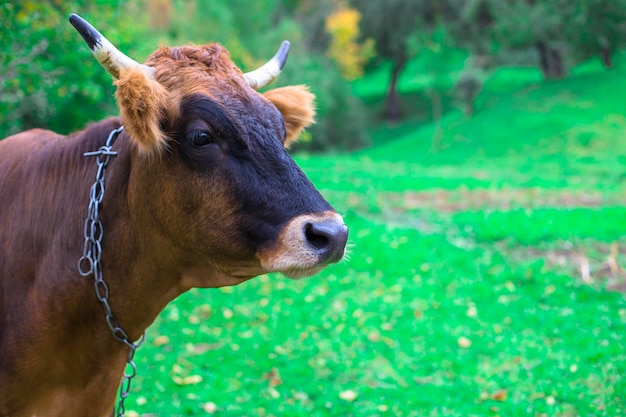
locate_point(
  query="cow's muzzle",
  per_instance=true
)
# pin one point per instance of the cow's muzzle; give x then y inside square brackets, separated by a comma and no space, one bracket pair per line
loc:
[306,245]
[328,238]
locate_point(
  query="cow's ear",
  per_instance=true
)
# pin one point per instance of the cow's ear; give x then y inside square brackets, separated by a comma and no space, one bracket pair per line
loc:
[142,101]
[296,103]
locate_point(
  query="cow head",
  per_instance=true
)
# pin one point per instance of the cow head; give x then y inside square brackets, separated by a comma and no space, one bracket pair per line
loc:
[210,171]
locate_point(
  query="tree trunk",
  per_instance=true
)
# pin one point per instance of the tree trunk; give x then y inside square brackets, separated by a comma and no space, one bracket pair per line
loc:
[607,59]
[435,104]
[557,64]
[392,108]
[544,61]
[550,61]
[468,109]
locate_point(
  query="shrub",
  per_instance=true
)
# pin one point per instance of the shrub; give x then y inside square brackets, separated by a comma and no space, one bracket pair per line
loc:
[341,118]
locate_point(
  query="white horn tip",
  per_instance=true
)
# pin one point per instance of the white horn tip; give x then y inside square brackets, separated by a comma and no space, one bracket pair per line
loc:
[267,73]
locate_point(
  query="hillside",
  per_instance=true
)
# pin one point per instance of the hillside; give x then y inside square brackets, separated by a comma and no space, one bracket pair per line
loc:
[557,131]
[526,133]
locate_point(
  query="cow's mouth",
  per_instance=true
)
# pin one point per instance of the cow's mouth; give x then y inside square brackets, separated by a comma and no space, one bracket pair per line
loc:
[298,273]
[292,273]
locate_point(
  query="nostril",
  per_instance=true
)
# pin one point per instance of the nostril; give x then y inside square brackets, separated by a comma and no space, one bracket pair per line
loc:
[328,238]
[316,237]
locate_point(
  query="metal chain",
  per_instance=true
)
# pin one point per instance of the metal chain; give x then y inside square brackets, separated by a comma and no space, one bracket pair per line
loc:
[90,264]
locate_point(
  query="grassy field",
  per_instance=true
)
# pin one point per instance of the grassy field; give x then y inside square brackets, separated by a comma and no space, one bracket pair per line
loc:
[485,276]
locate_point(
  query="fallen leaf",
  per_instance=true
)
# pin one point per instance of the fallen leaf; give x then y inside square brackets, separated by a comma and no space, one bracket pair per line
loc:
[210,407]
[464,342]
[348,395]
[161,340]
[273,377]
[205,347]
[273,392]
[499,395]
[373,336]
[188,380]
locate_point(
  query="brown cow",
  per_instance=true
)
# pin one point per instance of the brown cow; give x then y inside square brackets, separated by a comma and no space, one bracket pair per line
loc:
[201,193]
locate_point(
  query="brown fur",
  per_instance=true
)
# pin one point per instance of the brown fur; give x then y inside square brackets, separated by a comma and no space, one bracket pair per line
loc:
[168,227]
[57,355]
[142,101]
[187,70]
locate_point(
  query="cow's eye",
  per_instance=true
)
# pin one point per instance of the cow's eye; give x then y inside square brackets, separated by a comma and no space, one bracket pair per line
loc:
[202,138]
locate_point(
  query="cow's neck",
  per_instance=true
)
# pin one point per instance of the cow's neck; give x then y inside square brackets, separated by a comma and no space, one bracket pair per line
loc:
[138,267]
[140,278]
[144,267]
[137,263]
[71,342]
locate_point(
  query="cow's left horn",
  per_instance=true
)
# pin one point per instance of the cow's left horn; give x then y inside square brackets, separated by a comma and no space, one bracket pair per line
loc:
[267,73]
[108,55]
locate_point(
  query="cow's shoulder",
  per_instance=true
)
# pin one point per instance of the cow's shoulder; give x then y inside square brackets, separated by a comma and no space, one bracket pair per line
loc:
[31,136]
[22,144]
[33,140]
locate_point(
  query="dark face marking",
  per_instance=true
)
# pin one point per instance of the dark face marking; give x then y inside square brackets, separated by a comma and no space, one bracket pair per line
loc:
[206,132]
[239,149]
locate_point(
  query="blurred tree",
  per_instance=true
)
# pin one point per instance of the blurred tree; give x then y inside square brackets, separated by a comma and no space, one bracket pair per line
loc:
[252,31]
[48,77]
[343,27]
[467,87]
[553,34]
[469,24]
[542,25]
[341,117]
[160,13]
[599,29]
[311,17]
[390,24]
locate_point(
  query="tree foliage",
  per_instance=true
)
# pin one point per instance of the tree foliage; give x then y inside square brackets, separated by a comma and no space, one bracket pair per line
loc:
[47,76]
[49,79]
[392,24]
[344,48]
[552,34]
[521,25]
[600,29]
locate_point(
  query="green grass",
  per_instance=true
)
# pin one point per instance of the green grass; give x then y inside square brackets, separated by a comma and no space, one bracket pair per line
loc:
[465,293]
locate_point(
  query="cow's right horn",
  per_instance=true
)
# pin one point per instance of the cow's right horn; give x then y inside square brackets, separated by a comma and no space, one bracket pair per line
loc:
[107,55]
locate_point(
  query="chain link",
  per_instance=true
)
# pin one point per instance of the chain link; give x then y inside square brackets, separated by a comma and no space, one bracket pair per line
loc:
[90,264]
